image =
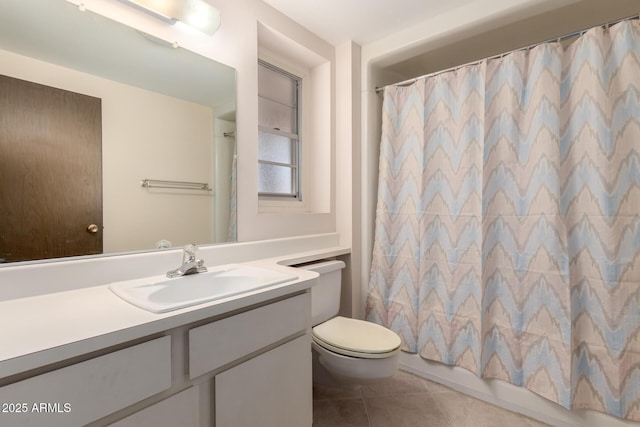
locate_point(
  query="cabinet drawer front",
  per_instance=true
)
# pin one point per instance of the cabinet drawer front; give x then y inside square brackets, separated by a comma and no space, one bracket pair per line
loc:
[218,343]
[87,391]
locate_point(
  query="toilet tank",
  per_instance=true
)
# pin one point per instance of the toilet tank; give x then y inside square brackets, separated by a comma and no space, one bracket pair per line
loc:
[325,294]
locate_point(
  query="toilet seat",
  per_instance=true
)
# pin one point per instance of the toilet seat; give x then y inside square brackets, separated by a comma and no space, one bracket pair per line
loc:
[356,338]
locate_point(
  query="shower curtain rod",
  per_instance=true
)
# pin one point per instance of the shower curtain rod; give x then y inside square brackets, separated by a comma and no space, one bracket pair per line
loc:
[555,39]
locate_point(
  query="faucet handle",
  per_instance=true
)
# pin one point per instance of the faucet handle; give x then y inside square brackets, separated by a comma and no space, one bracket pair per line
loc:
[189,253]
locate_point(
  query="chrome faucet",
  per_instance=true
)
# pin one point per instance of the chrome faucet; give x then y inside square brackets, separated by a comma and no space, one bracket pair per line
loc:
[190,265]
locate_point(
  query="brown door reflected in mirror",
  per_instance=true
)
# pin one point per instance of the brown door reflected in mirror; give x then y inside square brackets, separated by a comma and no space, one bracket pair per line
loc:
[50,172]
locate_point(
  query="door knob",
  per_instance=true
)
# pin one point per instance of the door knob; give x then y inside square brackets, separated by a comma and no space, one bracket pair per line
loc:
[92,228]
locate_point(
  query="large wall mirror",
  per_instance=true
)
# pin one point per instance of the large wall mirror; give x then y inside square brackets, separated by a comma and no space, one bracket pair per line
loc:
[89,110]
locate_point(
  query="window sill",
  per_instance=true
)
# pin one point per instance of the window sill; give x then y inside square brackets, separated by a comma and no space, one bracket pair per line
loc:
[282,206]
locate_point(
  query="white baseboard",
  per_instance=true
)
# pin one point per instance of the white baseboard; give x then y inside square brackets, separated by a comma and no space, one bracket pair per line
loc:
[508,396]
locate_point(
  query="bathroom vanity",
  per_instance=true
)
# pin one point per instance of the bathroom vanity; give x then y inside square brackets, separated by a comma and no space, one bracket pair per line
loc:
[87,357]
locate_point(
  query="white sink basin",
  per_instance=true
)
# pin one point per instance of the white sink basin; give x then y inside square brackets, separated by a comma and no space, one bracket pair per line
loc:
[160,294]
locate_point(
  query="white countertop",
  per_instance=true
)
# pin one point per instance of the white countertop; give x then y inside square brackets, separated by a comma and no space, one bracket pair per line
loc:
[46,329]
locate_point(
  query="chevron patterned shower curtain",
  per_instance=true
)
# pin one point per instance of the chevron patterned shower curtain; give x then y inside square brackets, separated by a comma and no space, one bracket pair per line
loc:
[507,233]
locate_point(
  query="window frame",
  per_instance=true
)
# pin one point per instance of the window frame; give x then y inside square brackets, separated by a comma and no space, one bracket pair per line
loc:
[296,139]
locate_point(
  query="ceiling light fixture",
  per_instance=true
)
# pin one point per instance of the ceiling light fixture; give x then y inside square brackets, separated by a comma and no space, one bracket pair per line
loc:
[195,13]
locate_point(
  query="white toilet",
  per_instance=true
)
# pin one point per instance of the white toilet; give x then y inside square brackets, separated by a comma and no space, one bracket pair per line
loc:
[346,351]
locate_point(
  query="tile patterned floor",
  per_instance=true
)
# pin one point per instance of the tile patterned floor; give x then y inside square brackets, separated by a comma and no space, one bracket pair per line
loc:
[407,400]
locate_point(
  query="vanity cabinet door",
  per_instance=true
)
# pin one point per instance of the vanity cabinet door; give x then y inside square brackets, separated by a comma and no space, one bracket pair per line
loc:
[270,390]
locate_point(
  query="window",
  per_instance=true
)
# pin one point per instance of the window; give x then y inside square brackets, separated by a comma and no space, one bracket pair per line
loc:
[278,133]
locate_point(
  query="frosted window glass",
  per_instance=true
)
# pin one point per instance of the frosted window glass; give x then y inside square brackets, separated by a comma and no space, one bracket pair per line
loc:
[276,116]
[274,179]
[275,148]
[276,86]
[278,132]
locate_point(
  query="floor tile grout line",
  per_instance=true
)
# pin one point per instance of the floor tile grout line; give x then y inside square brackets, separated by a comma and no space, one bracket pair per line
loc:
[416,393]
[333,399]
[366,410]
[364,397]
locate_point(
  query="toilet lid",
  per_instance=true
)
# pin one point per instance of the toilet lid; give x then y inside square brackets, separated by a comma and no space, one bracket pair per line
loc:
[356,337]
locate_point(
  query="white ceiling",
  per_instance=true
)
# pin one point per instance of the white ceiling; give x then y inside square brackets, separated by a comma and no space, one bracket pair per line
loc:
[362,21]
